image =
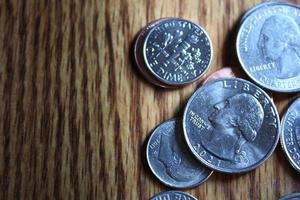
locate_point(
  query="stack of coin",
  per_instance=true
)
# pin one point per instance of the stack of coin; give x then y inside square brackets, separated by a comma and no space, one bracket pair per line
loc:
[172,52]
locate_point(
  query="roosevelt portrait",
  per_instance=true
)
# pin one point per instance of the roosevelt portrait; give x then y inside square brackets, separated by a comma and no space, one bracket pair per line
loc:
[279,42]
[236,122]
[176,160]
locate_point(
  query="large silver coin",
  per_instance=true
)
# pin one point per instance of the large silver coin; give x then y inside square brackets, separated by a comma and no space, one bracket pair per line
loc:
[177,51]
[290,136]
[231,125]
[293,196]
[170,160]
[173,195]
[268,44]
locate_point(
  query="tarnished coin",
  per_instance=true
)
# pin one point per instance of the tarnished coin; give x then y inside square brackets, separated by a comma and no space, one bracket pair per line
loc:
[268,46]
[293,196]
[290,134]
[231,125]
[170,160]
[225,72]
[173,195]
[138,54]
[177,51]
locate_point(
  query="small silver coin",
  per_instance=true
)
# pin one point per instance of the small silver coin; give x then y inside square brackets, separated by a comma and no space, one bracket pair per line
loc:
[173,195]
[290,134]
[268,44]
[138,54]
[231,125]
[177,51]
[170,160]
[293,196]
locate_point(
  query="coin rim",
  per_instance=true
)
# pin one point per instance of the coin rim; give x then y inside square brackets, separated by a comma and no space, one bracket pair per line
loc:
[186,82]
[176,120]
[224,170]
[287,196]
[173,191]
[282,137]
[237,44]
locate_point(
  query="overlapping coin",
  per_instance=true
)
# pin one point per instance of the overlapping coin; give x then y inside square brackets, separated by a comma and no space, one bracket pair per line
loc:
[290,134]
[231,125]
[173,195]
[268,44]
[173,52]
[170,160]
[225,72]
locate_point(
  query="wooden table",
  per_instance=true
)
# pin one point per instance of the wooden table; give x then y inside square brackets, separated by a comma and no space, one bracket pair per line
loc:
[75,113]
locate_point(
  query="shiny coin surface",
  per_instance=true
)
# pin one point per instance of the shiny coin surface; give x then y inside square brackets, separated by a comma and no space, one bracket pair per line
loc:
[170,160]
[268,46]
[173,195]
[177,51]
[139,58]
[231,125]
[293,196]
[290,134]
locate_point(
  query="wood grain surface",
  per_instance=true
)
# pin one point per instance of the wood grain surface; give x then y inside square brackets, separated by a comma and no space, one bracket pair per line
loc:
[75,113]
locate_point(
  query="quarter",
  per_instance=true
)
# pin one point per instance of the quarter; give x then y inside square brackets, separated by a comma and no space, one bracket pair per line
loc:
[231,125]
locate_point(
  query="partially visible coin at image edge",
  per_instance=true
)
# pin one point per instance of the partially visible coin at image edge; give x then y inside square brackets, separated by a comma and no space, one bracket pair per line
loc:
[290,134]
[173,195]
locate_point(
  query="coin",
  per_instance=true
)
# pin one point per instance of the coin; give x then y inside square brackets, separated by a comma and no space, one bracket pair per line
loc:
[290,134]
[267,46]
[139,58]
[225,72]
[170,160]
[177,51]
[231,125]
[293,196]
[173,195]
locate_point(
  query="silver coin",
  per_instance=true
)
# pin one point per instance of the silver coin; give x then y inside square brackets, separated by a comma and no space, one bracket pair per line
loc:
[170,160]
[177,51]
[290,134]
[173,195]
[268,44]
[293,196]
[231,125]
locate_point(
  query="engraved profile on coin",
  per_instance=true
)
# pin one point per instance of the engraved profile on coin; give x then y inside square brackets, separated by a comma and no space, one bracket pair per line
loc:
[235,121]
[176,164]
[279,41]
[170,160]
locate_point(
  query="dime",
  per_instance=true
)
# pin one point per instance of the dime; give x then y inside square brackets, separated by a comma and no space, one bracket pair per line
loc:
[268,46]
[293,196]
[177,51]
[138,54]
[173,195]
[231,125]
[290,134]
[170,160]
